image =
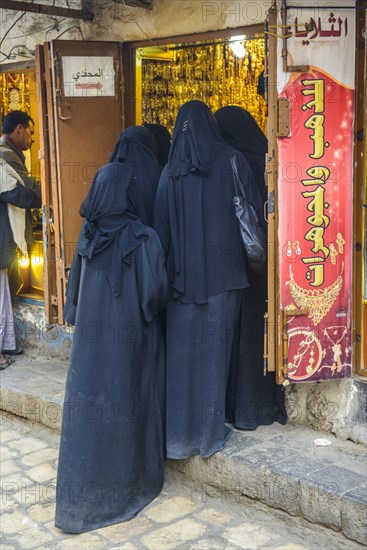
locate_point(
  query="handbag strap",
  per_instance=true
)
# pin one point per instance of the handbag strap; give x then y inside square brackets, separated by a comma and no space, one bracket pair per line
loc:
[237,182]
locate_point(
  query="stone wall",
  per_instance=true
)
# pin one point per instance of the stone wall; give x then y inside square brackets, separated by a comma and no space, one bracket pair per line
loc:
[37,337]
[337,406]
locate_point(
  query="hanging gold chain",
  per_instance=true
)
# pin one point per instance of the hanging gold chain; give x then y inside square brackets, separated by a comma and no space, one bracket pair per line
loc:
[212,74]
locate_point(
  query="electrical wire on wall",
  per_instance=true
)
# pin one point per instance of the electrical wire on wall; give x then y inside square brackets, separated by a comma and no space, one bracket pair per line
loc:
[133,18]
[10,28]
[22,49]
[77,27]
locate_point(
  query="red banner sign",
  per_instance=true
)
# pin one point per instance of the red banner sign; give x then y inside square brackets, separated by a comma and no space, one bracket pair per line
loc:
[315,232]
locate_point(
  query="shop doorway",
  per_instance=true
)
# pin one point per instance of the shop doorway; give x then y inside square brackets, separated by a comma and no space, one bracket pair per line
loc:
[220,68]
[81,116]
[19,92]
[74,93]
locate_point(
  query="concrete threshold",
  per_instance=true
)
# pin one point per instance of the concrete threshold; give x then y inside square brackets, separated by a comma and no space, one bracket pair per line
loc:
[278,465]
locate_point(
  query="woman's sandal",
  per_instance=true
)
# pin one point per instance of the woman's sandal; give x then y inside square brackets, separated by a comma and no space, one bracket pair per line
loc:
[17,351]
[7,363]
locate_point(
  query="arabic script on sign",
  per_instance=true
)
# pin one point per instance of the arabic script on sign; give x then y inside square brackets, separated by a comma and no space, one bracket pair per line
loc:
[314,28]
[85,76]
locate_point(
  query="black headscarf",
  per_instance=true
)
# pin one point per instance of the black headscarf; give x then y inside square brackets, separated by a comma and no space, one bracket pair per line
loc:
[241,130]
[137,147]
[112,228]
[197,144]
[162,139]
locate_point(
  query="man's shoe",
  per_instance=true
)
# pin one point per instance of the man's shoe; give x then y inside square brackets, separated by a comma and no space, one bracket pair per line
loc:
[17,351]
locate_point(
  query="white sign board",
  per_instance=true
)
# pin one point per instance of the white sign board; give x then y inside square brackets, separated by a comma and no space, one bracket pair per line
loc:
[320,38]
[86,76]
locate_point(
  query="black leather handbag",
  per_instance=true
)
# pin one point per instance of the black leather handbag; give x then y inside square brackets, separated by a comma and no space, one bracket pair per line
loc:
[253,235]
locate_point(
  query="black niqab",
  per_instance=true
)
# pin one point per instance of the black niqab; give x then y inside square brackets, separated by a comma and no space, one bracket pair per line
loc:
[196,144]
[252,398]
[137,147]
[239,128]
[195,219]
[162,138]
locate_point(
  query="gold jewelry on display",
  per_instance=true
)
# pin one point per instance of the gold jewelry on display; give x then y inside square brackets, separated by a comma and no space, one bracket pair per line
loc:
[212,74]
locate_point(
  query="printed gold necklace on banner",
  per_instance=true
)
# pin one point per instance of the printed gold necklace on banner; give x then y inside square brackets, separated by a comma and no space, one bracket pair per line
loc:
[318,302]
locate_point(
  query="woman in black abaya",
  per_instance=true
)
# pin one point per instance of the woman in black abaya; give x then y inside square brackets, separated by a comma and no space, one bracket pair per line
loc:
[252,398]
[112,445]
[195,219]
[137,147]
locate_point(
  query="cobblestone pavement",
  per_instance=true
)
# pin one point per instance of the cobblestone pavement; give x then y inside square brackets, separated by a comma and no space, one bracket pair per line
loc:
[183,516]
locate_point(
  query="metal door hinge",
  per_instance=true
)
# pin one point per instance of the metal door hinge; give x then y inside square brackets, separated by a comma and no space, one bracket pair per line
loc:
[284,116]
[271,203]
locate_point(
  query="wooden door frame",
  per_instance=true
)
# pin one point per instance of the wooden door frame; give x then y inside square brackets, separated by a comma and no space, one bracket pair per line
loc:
[48,77]
[274,324]
[359,194]
[47,176]
[37,66]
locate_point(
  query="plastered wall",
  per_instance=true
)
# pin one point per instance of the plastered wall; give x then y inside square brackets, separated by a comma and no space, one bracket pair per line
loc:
[114,21]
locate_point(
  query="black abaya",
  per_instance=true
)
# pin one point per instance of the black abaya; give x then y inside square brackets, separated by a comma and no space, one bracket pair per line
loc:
[252,398]
[195,219]
[200,339]
[111,461]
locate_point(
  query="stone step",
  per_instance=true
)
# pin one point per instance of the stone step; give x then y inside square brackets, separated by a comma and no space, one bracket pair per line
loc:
[279,466]
[180,518]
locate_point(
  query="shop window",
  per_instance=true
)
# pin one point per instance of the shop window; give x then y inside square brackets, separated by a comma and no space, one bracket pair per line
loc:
[217,72]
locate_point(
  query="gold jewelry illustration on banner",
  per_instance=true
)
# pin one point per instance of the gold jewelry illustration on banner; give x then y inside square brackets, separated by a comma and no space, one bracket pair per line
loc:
[293,247]
[340,242]
[333,253]
[308,356]
[317,302]
[336,347]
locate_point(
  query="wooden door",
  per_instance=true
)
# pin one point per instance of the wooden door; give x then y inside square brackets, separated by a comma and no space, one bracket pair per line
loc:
[81,117]
[360,200]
